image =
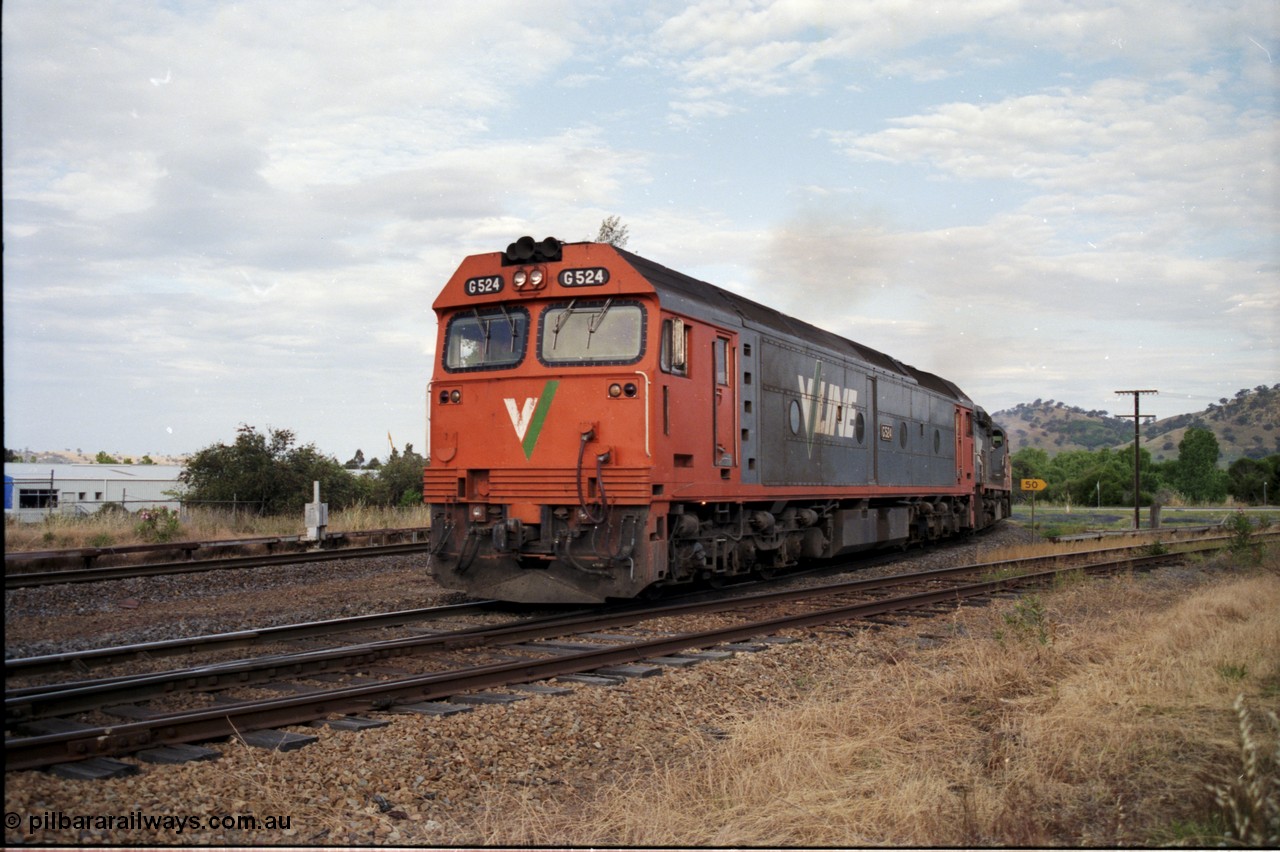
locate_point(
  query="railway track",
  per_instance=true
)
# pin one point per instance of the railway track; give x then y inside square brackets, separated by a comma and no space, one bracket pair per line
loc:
[79,662]
[30,579]
[86,557]
[79,720]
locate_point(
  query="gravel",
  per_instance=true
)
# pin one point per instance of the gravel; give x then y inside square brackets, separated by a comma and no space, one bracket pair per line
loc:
[420,780]
[53,619]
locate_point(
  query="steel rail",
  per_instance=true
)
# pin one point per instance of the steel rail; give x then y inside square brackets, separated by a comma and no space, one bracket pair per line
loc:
[124,572]
[233,719]
[82,661]
[88,554]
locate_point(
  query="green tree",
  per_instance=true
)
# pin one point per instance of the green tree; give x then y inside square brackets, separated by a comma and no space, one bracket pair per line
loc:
[1105,476]
[1195,472]
[1254,480]
[400,479]
[103,458]
[1030,463]
[267,473]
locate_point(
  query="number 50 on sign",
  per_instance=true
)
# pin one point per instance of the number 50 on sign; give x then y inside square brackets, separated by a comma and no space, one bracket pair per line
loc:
[1034,485]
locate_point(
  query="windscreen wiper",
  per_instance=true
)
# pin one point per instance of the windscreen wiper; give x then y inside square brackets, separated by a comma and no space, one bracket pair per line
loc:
[594,324]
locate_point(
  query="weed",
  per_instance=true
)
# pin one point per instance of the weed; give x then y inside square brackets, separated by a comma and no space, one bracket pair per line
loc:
[101,540]
[1249,802]
[1191,833]
[992,575]
[1027,621]
[158,525]
[1233,672]
[1067,579]
[1156,548]
[1242,545]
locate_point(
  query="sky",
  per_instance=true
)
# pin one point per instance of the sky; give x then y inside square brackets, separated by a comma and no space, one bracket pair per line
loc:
[227,213]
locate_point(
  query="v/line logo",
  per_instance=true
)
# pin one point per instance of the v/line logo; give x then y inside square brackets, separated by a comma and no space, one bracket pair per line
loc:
[529,418]
[826,407]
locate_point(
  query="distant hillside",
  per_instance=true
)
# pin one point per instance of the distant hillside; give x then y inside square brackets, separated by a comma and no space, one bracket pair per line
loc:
[77,457]
[1056,427]
[1248,425]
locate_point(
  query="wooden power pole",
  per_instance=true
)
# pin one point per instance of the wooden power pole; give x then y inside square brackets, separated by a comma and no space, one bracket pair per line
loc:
[1137,463]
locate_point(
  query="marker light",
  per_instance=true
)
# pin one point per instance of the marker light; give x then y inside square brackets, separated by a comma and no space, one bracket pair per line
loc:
[535,278]
[615,390]
[520,278]
[455,396]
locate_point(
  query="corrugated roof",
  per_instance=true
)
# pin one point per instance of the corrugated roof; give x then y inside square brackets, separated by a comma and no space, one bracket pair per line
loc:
[25,471]
[757,314]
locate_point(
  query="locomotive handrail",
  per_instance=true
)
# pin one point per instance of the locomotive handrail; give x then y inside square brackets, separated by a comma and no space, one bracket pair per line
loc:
[642,374]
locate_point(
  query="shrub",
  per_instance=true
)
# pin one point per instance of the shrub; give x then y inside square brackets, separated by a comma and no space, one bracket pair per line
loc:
[1028,620]
[158,525]
[1242,544]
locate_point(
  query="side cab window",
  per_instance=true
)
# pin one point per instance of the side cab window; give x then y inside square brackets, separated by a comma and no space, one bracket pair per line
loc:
[674,354]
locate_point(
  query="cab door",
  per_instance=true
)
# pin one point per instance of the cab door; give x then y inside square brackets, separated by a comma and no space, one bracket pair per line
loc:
[724,402]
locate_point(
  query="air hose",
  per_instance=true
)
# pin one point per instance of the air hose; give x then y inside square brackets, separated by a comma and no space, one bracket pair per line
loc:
[588,510]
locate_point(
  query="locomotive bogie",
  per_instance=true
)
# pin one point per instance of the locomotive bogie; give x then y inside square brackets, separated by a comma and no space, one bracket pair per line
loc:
[609,426]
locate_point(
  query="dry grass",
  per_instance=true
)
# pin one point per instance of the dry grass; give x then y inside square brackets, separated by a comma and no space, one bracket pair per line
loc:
[1163,537]
[1110,723]
[117,530]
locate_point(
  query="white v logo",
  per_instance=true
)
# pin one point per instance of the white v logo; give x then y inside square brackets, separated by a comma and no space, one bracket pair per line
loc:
[521,419]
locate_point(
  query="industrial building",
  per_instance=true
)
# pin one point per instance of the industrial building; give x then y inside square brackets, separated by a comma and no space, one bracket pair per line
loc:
[33,492]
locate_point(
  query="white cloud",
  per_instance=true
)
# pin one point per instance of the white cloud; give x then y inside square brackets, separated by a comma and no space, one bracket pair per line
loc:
[261,230]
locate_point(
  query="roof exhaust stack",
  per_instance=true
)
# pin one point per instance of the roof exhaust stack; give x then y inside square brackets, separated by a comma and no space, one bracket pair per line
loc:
[529,250]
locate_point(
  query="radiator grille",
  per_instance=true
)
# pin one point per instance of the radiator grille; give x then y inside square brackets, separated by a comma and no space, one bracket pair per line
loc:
[543,485]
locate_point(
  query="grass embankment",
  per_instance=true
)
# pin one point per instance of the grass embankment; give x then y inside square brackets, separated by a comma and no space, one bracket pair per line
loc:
[1052,519]
[1097,714]
[106,529]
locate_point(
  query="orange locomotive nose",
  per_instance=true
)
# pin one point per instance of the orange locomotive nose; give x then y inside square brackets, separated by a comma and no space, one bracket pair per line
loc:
[542,491]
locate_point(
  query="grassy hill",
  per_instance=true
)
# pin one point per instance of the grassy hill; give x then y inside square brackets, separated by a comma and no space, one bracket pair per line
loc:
[1246,425]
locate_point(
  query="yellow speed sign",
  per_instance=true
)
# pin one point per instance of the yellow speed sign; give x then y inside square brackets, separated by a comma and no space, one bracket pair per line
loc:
[1034,485]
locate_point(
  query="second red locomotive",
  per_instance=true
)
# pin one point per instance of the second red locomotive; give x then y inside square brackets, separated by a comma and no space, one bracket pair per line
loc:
[601,425]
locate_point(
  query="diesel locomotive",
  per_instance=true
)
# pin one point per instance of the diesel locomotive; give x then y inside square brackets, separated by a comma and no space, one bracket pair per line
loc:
[601,426]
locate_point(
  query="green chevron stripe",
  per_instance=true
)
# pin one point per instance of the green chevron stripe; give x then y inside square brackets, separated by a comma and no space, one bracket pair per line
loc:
[539,417]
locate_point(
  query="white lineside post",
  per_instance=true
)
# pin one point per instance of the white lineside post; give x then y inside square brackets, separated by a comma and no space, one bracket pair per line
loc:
[316,516]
